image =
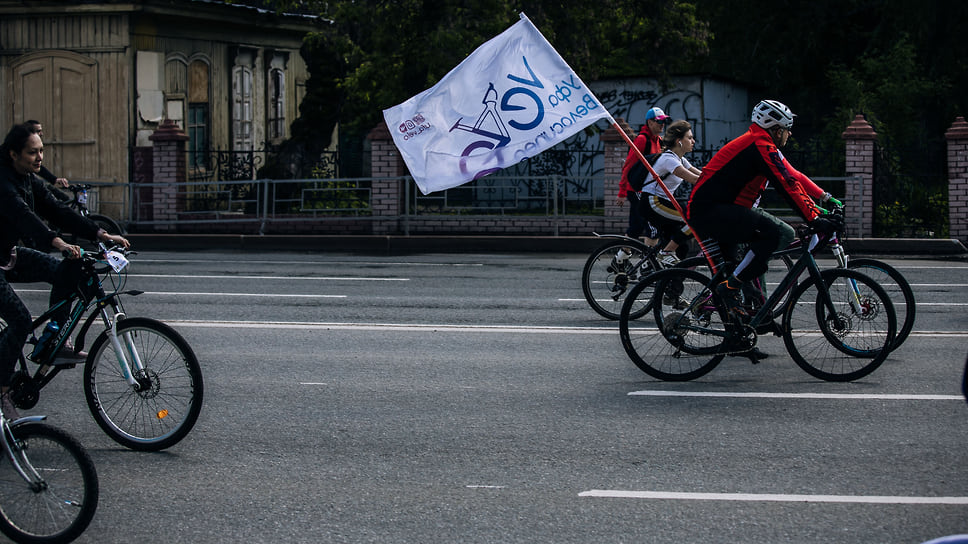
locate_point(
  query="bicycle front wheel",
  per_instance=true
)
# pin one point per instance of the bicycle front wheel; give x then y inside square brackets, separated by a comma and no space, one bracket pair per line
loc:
[896,287]
[606,280]
[59,502]
[681,337]
[164,404]
[848,339]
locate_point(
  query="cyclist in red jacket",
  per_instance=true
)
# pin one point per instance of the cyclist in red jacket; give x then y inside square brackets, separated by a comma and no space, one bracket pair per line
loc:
[721,202]
[648,141]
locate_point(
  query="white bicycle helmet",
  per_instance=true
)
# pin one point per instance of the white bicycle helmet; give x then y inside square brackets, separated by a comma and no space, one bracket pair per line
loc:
[769,113]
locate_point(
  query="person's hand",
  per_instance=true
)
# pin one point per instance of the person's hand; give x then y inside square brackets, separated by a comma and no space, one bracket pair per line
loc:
[828,224]
[104,236]
[69,251]
[620,201]
[62,182]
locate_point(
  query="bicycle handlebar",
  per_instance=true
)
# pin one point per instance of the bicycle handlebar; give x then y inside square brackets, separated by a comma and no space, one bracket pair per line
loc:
[78,187]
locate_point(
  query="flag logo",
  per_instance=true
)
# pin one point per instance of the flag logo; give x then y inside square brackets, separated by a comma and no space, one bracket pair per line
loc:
[509,100]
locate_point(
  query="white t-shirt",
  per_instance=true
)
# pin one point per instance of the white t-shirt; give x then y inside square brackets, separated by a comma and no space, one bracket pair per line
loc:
[666,164]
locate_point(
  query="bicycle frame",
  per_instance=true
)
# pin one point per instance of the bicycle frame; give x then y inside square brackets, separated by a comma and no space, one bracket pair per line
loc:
[764,316]
[109,309]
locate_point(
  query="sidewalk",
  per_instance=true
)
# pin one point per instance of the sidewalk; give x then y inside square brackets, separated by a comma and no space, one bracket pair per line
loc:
[402,245]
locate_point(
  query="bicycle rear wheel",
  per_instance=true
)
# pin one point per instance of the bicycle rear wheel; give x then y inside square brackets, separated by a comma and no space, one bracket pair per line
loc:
[106,223]
[897,288]
[605,281]
[681,337]
[847,343]
[60,505]
[164,406]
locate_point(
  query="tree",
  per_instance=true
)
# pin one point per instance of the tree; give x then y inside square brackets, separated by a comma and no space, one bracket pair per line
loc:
[389,51]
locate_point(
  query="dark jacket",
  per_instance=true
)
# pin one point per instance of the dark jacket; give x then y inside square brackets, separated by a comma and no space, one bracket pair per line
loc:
[24,200]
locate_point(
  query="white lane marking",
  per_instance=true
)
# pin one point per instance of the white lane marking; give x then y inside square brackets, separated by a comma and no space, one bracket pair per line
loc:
[395,327]
[217,277]
[315,263]
[424,327]
[265,295]
[760,497]
[919,304]
[755,395]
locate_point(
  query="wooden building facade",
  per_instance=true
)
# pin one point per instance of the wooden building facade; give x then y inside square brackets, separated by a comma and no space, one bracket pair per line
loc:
[102,76]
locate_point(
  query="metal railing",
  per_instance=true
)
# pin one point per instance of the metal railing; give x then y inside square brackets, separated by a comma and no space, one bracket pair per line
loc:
[548,195]
[261,203]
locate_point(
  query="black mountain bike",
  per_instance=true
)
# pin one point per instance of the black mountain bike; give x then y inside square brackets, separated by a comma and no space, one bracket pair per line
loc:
[142,381]
[838,324]
[888,277]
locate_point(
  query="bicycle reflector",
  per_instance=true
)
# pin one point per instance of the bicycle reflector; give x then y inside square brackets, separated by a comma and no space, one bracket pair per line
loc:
[162,414]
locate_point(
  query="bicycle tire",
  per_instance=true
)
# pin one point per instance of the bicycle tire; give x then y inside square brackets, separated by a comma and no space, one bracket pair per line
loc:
[166,408]
[847,346]
[66,504]
[658,345]
[604,285]
[106,223]
[897,288]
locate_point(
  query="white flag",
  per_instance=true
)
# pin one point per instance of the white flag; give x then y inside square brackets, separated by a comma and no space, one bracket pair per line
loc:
[509,100]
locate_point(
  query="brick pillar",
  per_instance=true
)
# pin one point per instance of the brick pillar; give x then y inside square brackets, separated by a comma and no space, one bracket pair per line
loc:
[957,137]
[860,140]
[386,167]
[168,170]
[616,149]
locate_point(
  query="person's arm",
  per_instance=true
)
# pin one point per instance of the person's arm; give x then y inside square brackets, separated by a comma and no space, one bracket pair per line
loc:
[781,173]
[687,175]
[812,189]
[47,206]
[28,225]
[47,175]
[623,187]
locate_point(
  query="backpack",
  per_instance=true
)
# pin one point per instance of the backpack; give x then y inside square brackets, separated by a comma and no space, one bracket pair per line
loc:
[638,172]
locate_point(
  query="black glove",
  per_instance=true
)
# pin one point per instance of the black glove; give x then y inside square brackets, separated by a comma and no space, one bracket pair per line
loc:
[828,224]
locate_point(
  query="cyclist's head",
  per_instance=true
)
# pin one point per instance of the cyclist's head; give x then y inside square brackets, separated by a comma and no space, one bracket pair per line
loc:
[20,150]
[675,133]
[770,113]
[35,127]
[658,120]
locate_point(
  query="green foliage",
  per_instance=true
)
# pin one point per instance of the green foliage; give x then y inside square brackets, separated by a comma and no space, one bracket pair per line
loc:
[379,53]
[925,216]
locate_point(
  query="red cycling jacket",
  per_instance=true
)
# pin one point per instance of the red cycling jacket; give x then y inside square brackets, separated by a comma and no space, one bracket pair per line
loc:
[739,172]
[647,143]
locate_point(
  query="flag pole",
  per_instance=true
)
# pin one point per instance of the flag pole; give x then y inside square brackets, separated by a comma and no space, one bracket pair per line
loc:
[665,189]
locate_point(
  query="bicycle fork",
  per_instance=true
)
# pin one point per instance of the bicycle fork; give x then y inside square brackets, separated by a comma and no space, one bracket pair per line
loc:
[855,301]
[123,344]
[19,461]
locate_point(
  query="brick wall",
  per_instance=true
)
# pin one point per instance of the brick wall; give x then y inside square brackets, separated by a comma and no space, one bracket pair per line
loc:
[860,140]
[957,137]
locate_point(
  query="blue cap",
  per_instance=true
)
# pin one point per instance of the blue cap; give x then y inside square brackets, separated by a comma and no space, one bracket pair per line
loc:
[657,114]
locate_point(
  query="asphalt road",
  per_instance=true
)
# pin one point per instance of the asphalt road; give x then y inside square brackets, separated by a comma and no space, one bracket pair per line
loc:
[477,398]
